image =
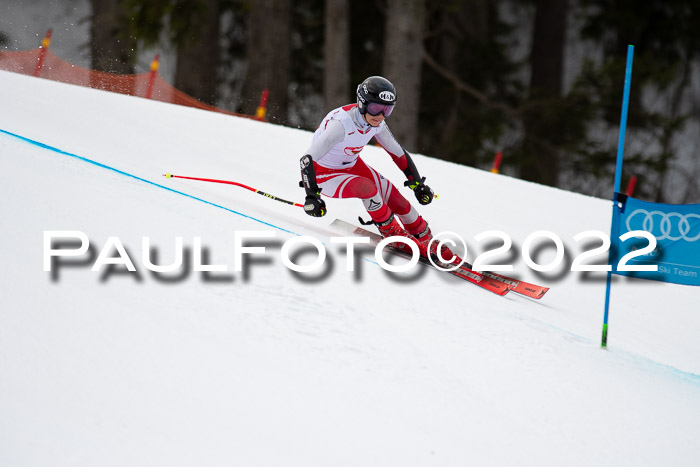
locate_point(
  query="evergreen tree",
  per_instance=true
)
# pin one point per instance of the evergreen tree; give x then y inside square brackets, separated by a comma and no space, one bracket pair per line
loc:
[193,27]
[403,65]
[336,53]
[269,57]
[112,46]
[666,36]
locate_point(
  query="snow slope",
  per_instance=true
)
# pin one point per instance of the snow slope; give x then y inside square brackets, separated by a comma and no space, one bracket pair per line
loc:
[269,368]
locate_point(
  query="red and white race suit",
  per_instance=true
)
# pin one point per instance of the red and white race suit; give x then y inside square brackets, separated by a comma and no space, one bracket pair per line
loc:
[341,172]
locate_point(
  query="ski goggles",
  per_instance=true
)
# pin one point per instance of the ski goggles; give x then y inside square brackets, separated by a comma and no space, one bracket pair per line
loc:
[375,108]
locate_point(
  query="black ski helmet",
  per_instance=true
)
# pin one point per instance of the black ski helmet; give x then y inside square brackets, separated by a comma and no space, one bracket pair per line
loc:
[378,90]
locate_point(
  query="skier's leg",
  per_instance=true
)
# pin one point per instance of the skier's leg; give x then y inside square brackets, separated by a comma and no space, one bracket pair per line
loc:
[361,181]
[381,200]
[413,222]
[385,201]
[355,182]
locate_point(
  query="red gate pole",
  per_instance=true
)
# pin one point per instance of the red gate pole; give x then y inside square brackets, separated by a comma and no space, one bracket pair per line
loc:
[631,184]
[497,162]
[262,108]
[152,77]
[42,52]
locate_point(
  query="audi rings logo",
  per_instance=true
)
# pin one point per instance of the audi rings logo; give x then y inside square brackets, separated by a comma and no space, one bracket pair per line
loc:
[665,225]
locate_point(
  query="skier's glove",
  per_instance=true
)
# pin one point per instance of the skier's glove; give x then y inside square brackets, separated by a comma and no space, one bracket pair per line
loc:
[423,193]
[314,206]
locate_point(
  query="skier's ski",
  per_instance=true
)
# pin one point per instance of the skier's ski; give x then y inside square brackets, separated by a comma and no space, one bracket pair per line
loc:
[520,287]
[492,285]
[523,288]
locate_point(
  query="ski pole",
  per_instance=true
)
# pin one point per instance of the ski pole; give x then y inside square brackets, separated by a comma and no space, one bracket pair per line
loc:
[227,182]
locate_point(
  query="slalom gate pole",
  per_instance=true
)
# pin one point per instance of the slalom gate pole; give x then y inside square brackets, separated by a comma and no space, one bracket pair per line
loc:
[262,108]
[227,182]
[630,185]
[152,75]
[42,52]
[497,162]
[618,180]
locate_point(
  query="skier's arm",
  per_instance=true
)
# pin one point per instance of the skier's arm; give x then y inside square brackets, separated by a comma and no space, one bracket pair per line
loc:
[313,205]
[386,140]
[333,133]
[403,161]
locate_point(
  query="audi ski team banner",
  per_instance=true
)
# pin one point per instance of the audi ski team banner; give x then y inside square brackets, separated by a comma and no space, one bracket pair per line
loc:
[676,231]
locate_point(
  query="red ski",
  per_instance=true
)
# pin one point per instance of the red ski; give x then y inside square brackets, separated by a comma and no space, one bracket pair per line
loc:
[523,288]
[496,283]
[492,285]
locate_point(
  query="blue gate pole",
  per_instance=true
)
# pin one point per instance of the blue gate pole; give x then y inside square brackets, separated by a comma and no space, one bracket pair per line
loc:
[618,179]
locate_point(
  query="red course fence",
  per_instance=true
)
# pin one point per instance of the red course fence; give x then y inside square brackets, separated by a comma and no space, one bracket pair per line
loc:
[43,63]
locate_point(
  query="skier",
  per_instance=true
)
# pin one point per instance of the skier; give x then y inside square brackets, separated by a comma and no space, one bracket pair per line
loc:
[332,166]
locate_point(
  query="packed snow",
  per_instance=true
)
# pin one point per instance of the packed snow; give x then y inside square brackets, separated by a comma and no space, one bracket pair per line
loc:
[266,367]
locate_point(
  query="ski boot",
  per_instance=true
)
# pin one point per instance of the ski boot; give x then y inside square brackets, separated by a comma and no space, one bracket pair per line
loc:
[430,250]
[391,228]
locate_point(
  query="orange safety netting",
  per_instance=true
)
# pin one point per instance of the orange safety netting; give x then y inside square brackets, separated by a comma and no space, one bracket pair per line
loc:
[27,62]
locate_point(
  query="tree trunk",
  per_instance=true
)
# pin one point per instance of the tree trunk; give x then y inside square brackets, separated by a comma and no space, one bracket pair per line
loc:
[468,20]
[112,49]
[198,53]
[403,58]
[540,162]
[269,57]
[336,51]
